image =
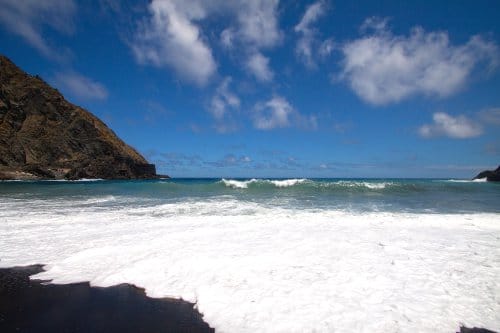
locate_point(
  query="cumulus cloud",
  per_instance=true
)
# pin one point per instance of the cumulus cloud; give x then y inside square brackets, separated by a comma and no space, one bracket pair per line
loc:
[223,100]
[459,127]
[384,68]
[80,86]
[258,65]
[308,38]
[257,29]
[172,38]
[28,17]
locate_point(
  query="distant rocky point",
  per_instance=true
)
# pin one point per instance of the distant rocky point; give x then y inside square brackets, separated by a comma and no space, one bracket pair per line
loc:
[43,136]
[490,175]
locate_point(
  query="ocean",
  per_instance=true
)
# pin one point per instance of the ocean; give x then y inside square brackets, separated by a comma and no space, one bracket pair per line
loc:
[273,255]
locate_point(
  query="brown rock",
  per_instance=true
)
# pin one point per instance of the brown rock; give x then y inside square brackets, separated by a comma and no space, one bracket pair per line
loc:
[43,136]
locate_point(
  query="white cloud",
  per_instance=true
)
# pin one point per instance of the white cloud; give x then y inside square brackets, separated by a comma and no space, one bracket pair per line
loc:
[383,68]
[27,18]
[227,37]
[459,127]
[326,48]
[258,65]
[171,38]
[257,29]
[278,113]
[258,22]
[274,113]
[80,86]
[223,100]
[307,41]
[306,122]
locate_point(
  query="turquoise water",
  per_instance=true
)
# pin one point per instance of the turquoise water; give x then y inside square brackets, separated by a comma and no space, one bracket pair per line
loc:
[356,195]
[267,255]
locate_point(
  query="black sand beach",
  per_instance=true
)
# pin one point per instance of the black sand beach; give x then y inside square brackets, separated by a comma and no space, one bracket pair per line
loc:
[31,306]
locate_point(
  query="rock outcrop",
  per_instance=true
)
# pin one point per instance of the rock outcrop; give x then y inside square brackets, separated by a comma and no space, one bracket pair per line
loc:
[490,175]
[43,136]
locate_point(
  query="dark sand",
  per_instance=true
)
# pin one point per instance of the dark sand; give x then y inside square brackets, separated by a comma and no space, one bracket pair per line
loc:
[31,306]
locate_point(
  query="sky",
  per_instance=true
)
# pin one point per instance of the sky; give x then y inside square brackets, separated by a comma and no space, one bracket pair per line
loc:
[269,88]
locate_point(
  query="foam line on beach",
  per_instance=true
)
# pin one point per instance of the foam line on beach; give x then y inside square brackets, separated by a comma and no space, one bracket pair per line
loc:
[276,269]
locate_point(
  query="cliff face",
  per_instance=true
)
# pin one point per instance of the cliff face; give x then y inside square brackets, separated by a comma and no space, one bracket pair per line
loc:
[44,136]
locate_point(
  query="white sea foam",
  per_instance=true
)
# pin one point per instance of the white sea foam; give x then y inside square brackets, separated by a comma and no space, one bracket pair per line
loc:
[278,183]
[287,182]
[74,180]
[480,180]
[256,268]
[97,200]
[376,186]
[359,184]
[238,183]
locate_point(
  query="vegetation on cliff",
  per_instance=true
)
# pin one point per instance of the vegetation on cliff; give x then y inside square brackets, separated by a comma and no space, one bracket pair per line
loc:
[43,136]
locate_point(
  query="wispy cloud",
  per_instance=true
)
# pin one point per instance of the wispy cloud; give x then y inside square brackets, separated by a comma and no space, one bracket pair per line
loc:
[80,86]
[258,22]
[231,160]
[223,100]
[223,105]
[174,36]
[490,116]
[278,113]
[272,114]
[227,37]
[258,65]
[459,127]
[385,68]
[174,161]
[170,37]
[492,148]
[27,19]
[306,44]
[153,112]
[257,29]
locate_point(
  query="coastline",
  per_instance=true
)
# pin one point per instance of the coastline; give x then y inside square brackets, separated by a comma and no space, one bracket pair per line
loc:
[272,255]
[33,306]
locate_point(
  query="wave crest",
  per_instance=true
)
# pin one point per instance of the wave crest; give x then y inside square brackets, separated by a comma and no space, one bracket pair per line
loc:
[241,184]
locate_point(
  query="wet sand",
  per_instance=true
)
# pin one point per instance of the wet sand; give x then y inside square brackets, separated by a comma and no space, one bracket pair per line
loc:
[35,306]
[32,306]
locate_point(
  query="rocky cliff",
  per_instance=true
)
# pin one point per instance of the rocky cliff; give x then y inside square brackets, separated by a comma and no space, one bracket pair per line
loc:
[490,175]
[43,136]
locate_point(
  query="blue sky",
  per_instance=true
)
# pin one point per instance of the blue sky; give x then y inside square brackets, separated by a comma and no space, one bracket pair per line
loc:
[251,88]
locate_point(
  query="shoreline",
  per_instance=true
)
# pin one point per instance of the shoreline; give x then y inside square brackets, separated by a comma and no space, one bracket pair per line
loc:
[38,306]
[33,306]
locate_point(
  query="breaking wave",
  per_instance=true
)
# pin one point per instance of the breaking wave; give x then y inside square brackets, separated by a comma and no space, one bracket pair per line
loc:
[276,183]
[480,180]
[304,184]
